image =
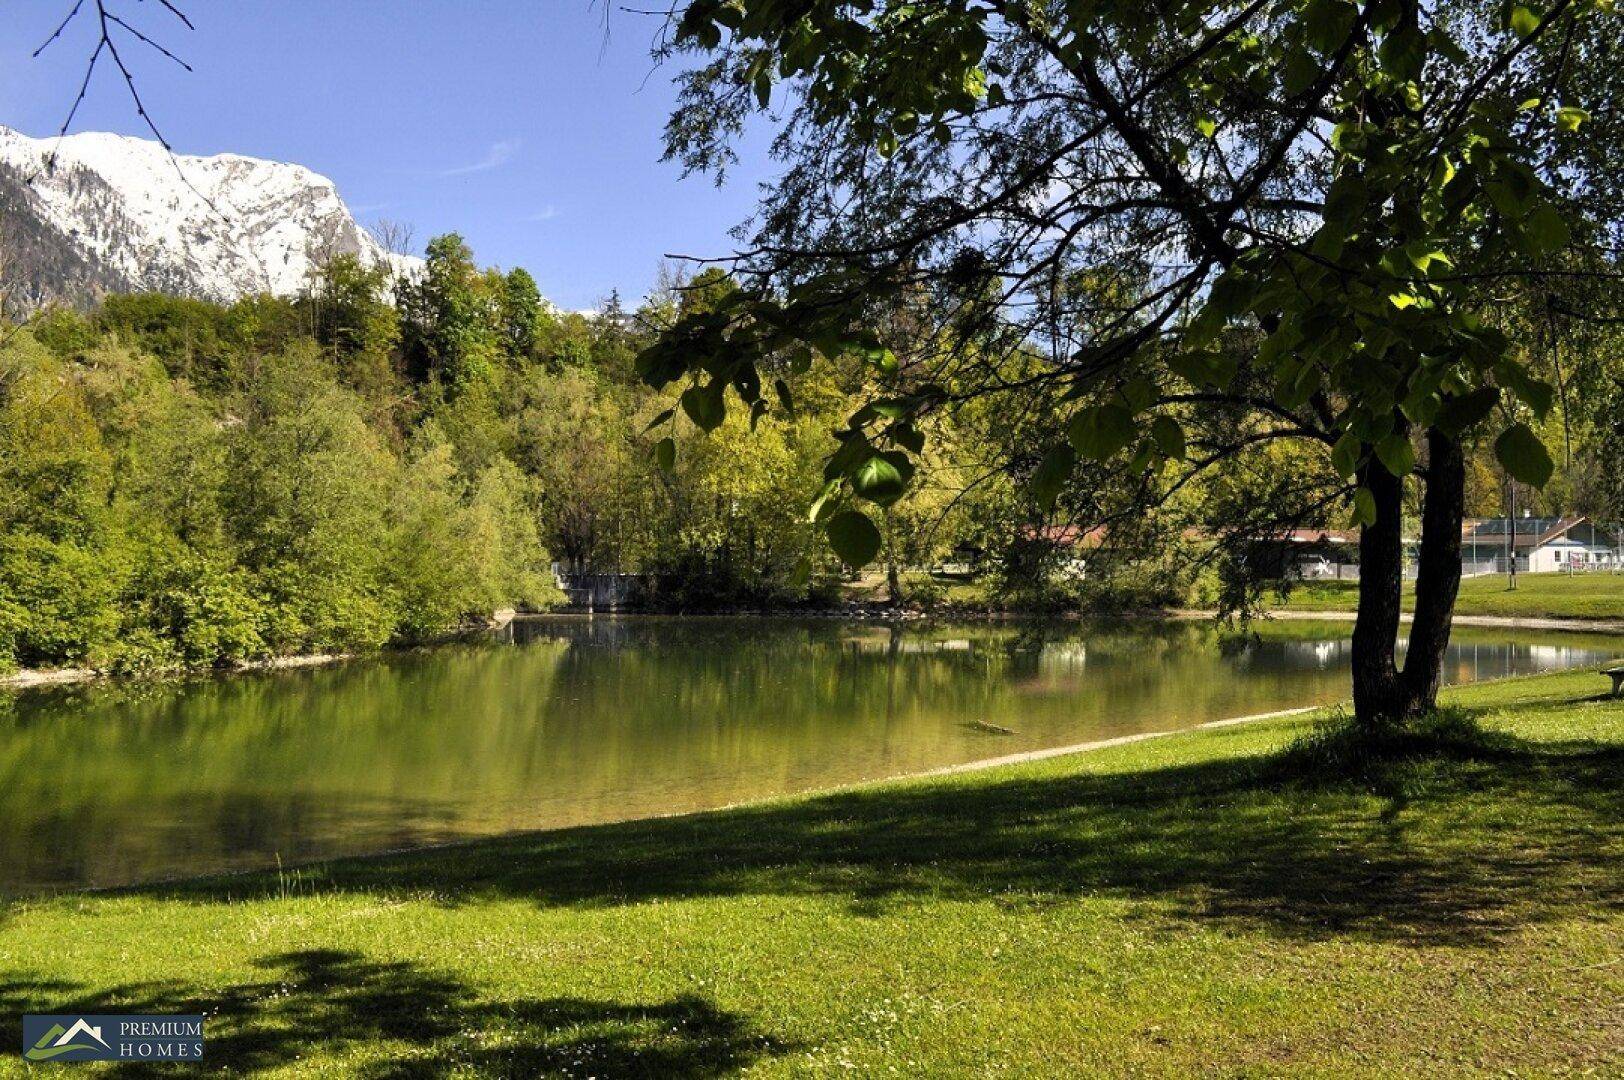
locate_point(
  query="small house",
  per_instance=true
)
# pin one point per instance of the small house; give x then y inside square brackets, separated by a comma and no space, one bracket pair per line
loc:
[1541,545]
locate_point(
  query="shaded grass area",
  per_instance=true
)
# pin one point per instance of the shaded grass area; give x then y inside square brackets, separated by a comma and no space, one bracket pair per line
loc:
[1271,898]
[1548,596]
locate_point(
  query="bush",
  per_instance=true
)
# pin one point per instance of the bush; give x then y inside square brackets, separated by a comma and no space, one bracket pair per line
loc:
[182,607]
[60,600]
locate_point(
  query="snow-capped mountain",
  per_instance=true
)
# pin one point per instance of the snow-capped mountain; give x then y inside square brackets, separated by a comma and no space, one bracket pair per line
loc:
[95,212]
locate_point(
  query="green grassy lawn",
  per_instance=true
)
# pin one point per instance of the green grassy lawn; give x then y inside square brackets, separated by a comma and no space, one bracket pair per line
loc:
[1211,903]
[1549,596]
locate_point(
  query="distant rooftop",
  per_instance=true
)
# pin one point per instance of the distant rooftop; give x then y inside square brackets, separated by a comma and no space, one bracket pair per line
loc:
[1534,526]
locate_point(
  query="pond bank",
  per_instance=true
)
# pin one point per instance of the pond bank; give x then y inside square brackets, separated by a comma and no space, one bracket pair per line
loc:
[1509,622]
[38,677]
[55,676]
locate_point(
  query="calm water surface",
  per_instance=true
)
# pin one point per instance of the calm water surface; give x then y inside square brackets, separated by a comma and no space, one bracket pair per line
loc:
[570,720]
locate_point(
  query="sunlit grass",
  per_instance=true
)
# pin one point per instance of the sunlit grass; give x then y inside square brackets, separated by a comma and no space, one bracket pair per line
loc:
[1567,596]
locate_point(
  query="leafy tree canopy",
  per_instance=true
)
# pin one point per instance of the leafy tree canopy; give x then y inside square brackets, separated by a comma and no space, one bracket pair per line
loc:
[1218,223]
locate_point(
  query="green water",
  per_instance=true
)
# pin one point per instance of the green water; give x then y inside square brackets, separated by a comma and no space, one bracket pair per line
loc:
[570,721]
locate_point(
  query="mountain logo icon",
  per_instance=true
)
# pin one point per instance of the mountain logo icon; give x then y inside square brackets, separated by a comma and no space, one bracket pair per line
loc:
[59,1040]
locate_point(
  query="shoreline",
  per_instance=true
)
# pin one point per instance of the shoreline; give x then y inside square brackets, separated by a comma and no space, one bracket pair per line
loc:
[29,678]
[1509,622]
[32,677]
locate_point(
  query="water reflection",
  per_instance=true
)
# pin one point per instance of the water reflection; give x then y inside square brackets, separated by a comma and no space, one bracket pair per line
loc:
[569,721]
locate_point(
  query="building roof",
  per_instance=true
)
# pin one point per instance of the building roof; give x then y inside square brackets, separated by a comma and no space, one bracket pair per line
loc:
[1320,536]
[1524,532]
[1067,535]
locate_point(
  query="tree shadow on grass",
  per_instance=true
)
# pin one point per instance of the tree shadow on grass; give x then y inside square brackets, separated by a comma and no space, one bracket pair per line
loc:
[1453,840]
[407,1021]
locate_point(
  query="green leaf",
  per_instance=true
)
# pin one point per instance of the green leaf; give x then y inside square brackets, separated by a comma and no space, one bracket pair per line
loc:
[665,454]
[1523,455]
[854,537]
[1396,454]
[1535,393]
[883,359]
[1345,455]
[854,450]
[1546,231]
[1422,255]
[785,398]
[1203,368]
[1169,436]
[817,511]
[883,478]
[1364,507]
[1140,393]
[704,406]
[1403,51]
[1569,117]
[1327,23]
[1442,172]
[1051,475]
[1101,430]
[1207,126]
[1232,293]
[1461,413]
[658,420]
[1523,21]
[1300,72]
[1421,404]
[1345,201]
[908,437]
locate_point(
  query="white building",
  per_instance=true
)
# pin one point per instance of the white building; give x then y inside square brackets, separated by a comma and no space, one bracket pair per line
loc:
[1542,545]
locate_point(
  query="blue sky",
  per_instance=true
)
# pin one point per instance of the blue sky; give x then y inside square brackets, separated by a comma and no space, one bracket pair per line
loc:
[517,123]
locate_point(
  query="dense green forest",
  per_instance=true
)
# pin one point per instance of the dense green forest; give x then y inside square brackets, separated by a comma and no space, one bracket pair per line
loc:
[373,462]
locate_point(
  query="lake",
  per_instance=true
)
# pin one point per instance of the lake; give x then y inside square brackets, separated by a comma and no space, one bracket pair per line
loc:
[572,720]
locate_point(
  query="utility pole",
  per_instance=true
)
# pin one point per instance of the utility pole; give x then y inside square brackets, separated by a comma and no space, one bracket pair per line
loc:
[1511,534]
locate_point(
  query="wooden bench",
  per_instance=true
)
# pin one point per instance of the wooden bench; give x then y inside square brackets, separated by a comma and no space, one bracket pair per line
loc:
[1616,673]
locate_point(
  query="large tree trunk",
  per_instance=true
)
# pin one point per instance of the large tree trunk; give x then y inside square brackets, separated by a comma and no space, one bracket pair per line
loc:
[1438,581]
[1377,692]
[1381,695]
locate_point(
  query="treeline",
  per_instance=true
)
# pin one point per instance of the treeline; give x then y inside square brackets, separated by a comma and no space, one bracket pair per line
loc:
[374,461]
[194,486]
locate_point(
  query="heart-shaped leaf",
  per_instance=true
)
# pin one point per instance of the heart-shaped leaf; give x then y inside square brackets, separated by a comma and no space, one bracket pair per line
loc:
[883,478]
[854,537]
[1051,475]
[1524,455]
[1396,454]
[1101,430]
[665,454]
[704,406]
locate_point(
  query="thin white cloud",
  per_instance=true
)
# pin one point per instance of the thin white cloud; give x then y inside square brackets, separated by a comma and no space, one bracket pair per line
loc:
[499,154]
[546,213]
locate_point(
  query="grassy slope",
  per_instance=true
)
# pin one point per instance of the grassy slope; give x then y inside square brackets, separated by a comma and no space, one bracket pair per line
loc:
[1577,596]
[1182,905]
